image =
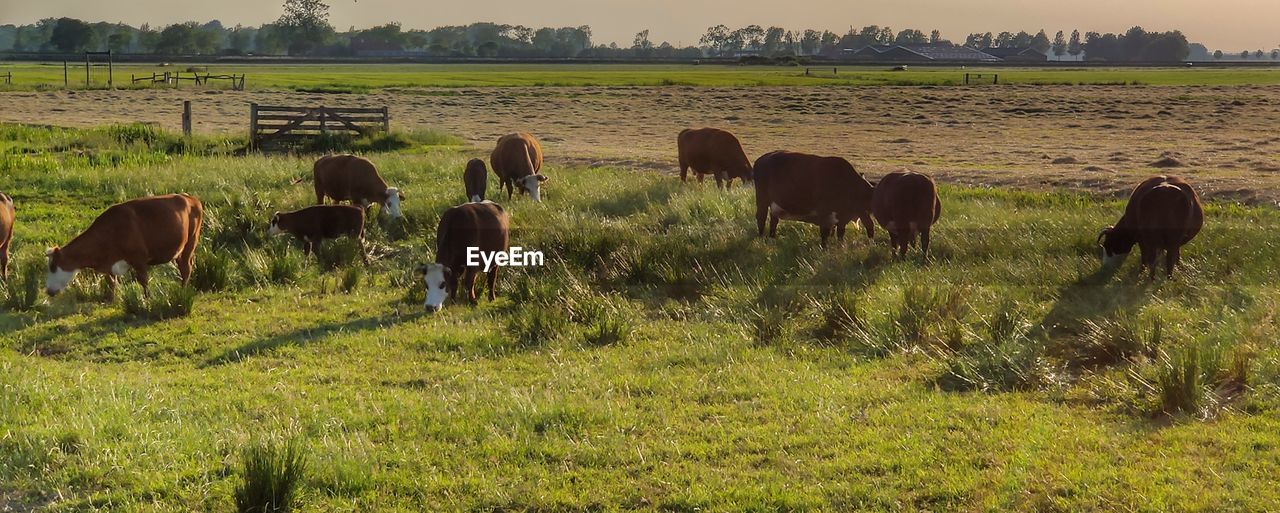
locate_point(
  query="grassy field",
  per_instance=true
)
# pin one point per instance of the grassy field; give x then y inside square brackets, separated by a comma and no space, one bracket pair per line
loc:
[664,359]
[363,77]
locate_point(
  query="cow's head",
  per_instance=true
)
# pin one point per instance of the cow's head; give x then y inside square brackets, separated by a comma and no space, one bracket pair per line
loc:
[440,283]
[392,202]
[532,184]
[274,229]
[58,277]
[1116,245]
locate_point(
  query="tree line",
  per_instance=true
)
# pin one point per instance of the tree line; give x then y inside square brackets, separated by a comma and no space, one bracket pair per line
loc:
[303,29]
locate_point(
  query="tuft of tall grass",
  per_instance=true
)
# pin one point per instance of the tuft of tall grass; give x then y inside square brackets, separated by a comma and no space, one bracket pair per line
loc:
[1010,358]
[536,325]
[768,325]
[213,270]
[608,329]
[351,279]
[931,316]
[1111,341]
[840,317]
[1181,381]
[166,301]
[21,292]
[271,473]
[338,253]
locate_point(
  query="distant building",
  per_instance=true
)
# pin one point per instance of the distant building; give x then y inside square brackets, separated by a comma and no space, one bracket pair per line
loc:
[1017,54]
[918,53]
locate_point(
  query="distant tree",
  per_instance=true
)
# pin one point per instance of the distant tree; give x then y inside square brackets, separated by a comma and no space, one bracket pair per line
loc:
[119,42]
[641,46]
[774,39]
[1004,40]
[935,37]
[1060,44]
[716,39]
[1040,42]
[1275,54]
[70,35]
[304,25]
[1258,54]
[751,36]
[910,37]
[810,42]
[1075,47]
[1244,54]
[1217,54]
[829,38]
[240,39]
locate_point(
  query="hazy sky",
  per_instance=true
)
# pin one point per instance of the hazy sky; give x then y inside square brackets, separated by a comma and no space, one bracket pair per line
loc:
[1226,24]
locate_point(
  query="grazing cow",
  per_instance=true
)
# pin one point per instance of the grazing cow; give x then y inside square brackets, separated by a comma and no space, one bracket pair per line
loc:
[825,191]
[7,215]
[476,180]
[133,235]
[315,224]
[1163,214]
[354,179]
[516,161]
[713,151]
[484,226]
[906,205]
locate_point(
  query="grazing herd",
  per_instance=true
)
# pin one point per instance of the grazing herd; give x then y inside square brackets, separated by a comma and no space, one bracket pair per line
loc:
[1163,213]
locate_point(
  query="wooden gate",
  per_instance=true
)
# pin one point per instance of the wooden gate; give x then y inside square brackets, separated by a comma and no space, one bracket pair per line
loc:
[275,127]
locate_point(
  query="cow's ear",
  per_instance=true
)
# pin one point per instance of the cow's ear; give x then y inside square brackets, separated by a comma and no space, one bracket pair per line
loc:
[400,195]
[421,269]
[543,178]
[49,252]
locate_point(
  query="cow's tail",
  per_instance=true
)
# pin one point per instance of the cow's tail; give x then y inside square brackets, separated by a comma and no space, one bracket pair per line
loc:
[442,233]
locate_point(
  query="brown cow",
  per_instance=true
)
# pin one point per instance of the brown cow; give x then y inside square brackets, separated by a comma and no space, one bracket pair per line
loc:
[825,191]
[315,224]
[1163,214]
[906,204]
[354,179]
[516,161]
[715,152]
[134,235]
[7,217]
[476,180]
[465,229]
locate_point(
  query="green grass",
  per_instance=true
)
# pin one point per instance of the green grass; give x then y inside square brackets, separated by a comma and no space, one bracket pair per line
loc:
[362,78]
[664,359]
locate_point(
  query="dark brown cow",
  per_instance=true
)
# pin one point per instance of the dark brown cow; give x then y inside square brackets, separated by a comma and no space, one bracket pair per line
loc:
[476,180]
[136,234]
[516,161]
[715,152]
[354,179]
[314,224]
[825,191]
[1163,214]
[906,204]
[7,218]
[470,227]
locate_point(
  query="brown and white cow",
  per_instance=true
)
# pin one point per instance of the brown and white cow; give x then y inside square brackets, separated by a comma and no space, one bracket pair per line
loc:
[467,228]
[8,215]
[476,180]
[906,205]
[315,224]
[136,234]
[715,152]
[825,191]
[516,161]
[1163,214]
[354,179]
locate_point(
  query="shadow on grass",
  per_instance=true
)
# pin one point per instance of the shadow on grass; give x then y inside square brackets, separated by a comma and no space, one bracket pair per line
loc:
[634,201]
[306,335]
[1103,294]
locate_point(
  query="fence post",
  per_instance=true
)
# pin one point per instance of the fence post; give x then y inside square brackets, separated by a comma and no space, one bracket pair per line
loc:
[995,79]
[324,128]
[66,78]
[86,70]
[253,126]
[111,72]
[386,119]
[186,118]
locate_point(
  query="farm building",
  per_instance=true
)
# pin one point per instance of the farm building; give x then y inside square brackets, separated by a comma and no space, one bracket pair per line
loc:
[919,53]
[1017,54]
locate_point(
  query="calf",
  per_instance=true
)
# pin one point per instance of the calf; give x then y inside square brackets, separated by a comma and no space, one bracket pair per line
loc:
[321,222]
[1163,214]
[476,180]
[906,205]
[516,162]
[7,215]
[484,226]
[713,151]
[825,191]
[133,235]
[354,179]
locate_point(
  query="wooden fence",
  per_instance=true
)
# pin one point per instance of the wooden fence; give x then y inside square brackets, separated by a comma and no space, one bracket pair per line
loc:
[8,78]
[174,77]
[275,127]
[981,78]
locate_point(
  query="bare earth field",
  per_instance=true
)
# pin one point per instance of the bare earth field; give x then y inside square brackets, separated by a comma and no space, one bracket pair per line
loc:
[1095,138]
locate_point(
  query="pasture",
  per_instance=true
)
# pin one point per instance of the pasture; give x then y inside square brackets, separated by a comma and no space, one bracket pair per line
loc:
[371,77]
[664,359]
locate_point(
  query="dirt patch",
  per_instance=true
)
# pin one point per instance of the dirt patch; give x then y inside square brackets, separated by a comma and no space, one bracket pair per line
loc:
[996,136]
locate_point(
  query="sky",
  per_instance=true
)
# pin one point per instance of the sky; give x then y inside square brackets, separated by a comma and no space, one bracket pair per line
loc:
[1220,24]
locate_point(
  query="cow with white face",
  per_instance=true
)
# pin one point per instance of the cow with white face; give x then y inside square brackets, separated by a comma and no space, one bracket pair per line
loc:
[355,179]
[517,161]
[131,236]
[470,227]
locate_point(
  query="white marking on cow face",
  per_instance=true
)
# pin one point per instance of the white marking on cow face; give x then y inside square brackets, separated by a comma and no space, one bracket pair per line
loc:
[532,184]
[392,203]
[57,280]
[119,268]
[437,286]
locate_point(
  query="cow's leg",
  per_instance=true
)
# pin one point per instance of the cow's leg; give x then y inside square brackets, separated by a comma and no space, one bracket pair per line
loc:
[762,213]
[840,231]
[1146,259]
[308,246]
[186,260]
[684,171]
[720,176]
[700,175]
[140,273]
[470,283]
[4,262]
[825,231]
[112,284]
[493,283]
[773,225]
[924,242]
[364,250]
[319,192]
[868,225]
[1171,258]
